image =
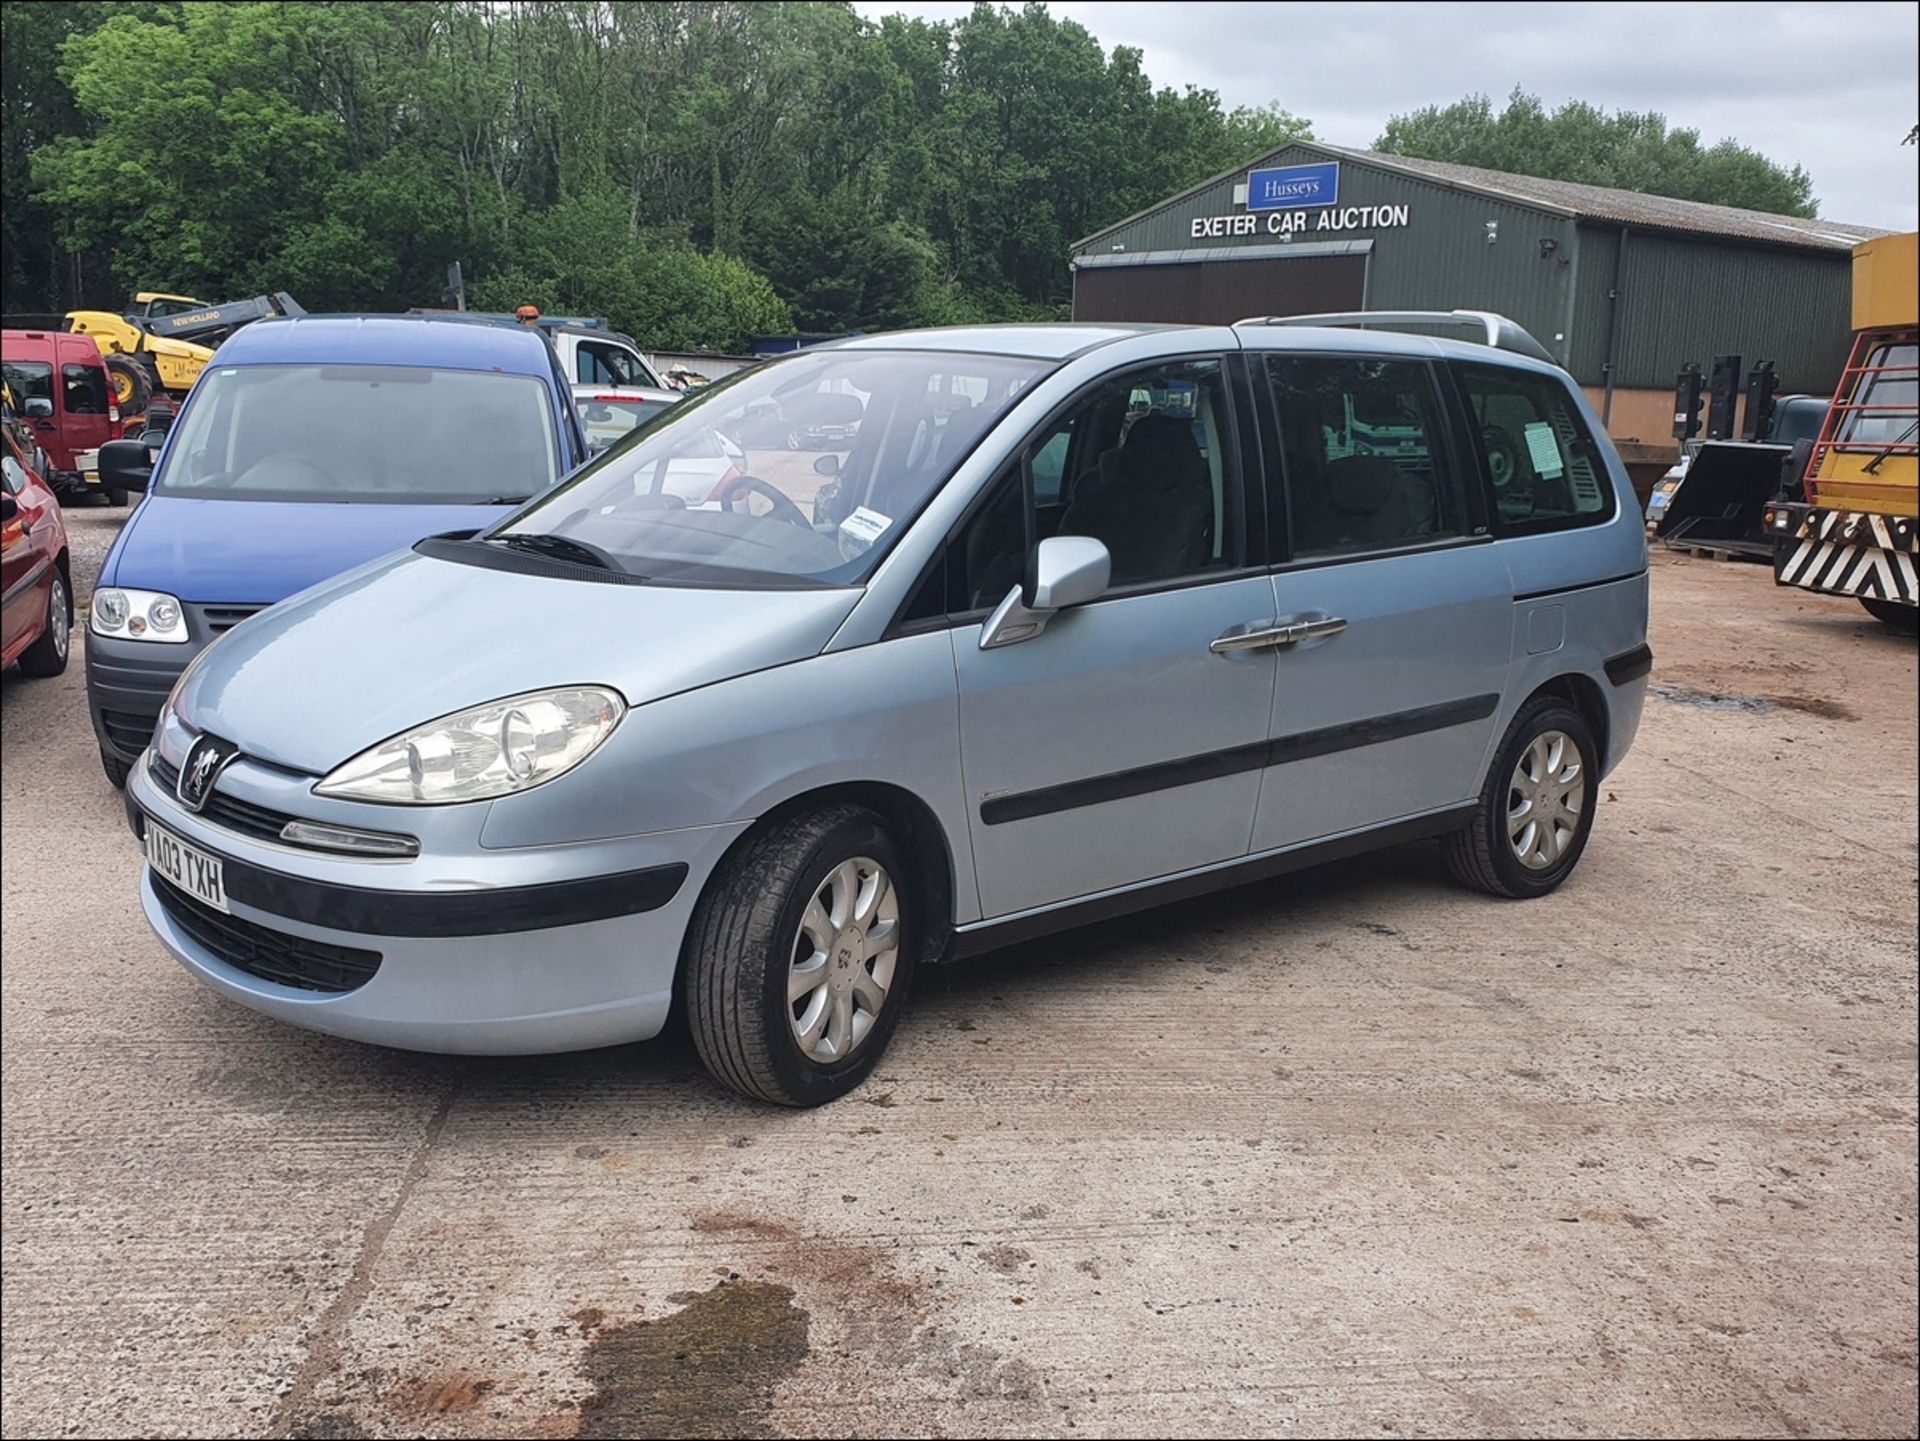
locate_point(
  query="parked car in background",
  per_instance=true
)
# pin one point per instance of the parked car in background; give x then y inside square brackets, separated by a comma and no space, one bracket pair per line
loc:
[59,387]
[36,573]
[314,445]
[610,413]
[521,790]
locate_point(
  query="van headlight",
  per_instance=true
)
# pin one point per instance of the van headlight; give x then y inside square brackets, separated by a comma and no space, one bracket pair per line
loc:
[138,615]
[496,749]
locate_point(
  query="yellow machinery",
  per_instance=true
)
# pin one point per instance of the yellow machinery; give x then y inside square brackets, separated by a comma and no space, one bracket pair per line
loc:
[1856,530]
[147,348]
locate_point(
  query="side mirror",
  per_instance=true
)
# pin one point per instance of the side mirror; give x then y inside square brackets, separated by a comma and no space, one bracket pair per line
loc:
[1067,570]
[125,465]
[37,407]
[828,464]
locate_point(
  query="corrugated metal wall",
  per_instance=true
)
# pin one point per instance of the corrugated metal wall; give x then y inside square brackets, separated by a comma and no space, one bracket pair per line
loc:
[1440,260]
[1692,300]
[1685,299]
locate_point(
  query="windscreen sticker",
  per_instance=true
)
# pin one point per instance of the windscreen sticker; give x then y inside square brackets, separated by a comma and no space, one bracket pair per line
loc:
[1544,450]
[860,530]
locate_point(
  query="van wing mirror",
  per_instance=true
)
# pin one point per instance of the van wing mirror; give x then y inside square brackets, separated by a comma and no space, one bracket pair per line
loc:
[1067,570]
[125,465]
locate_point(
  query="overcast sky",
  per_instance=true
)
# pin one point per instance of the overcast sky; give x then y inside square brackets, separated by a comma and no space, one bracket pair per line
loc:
[1830,87]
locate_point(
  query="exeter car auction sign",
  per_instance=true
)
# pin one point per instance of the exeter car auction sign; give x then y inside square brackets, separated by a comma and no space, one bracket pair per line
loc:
[1284,201]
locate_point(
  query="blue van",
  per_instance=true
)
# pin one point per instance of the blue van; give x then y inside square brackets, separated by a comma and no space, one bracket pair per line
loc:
[308,447]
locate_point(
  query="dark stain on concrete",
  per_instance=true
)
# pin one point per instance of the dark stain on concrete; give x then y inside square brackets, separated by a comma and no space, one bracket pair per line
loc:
[708,1369]
[328,1426]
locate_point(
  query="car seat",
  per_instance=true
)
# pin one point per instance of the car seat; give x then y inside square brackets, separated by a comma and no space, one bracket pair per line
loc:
[1150,501]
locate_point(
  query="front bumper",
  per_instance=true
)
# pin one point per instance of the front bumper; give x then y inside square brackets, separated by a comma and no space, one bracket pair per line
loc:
[128,682]
[1845,552]
[551,948]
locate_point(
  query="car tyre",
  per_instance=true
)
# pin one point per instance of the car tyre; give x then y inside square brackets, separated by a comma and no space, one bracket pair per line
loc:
[1902,618]
[1531,777]
[47,656]
[117,770]
[117,499]
[743,957]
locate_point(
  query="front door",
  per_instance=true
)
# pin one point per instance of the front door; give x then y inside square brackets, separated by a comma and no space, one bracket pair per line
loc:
[1384,706]
[1117,745]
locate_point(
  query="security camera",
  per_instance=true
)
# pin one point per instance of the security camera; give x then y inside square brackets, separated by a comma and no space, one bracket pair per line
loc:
[1493,231]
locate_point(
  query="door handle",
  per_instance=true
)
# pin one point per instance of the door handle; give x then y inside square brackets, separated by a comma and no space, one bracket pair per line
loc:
[1319,625]
[1261,635]
[1271,634]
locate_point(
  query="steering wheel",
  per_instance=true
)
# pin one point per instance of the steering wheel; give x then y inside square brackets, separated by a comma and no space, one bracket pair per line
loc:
[783,507]
[1503,456]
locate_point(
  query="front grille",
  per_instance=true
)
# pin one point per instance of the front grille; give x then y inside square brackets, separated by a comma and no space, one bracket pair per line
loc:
[127,731]
[224,810]
[269,954]
[221,618]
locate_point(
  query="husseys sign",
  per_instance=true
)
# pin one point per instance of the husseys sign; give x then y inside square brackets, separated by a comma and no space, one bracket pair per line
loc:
[1296,198]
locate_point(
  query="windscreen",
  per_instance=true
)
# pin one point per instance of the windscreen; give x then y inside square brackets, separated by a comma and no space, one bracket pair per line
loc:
[399,434]
[801,469]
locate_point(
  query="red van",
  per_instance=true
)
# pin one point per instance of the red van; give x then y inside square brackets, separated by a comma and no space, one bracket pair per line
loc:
[58,385]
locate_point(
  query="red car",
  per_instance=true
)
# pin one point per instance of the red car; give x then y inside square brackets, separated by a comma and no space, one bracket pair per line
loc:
[36,604]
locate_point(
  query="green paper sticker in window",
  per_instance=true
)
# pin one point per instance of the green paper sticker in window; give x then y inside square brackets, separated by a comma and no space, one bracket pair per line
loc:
[1544,450]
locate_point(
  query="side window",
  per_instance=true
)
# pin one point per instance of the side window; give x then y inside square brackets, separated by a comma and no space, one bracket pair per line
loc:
[27,379]
[1050,465]
[86,389]
[1542,466]
[1142,463]
[1363,446]
[601,364]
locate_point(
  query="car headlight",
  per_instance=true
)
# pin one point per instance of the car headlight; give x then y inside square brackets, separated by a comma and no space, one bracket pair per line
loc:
[496,749]
[138,615]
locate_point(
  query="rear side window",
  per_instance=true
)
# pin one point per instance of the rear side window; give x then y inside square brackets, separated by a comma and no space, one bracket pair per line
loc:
[27,379]
[1542,467]
[85,387]
[1364,447]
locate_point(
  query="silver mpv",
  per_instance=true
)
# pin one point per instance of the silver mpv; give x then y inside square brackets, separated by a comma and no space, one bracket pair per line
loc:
[1071,621]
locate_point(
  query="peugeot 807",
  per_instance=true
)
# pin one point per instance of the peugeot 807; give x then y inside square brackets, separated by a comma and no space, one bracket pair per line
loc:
[1075,620]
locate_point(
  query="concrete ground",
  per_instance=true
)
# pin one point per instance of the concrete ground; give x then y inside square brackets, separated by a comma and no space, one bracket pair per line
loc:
[1351,1152]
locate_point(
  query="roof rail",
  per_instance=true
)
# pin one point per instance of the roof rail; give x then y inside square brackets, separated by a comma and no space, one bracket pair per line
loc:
[1494,330]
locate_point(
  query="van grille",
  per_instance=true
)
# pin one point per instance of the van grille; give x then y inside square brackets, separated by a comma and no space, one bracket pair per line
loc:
[219,619]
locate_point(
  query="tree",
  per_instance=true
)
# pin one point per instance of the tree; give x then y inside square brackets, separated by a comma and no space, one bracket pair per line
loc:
[1586,144]
[698,170]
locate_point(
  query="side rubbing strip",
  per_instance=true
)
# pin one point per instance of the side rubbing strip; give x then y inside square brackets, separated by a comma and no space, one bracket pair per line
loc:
[1190,770]
[1631,666]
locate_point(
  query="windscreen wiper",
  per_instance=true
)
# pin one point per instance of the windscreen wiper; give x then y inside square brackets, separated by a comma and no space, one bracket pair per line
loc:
[504,500]
[1873,466]
[561,547]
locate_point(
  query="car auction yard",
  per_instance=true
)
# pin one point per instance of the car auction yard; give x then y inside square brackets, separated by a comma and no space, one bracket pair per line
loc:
[1353,1151]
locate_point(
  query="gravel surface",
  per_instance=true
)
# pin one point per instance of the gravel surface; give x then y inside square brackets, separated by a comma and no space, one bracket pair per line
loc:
[1350,1152]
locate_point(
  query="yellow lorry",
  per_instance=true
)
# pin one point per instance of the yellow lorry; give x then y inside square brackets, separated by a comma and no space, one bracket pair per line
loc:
[1855,530]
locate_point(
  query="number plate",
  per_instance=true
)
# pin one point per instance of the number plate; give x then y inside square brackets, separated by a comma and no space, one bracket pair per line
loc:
[188,867]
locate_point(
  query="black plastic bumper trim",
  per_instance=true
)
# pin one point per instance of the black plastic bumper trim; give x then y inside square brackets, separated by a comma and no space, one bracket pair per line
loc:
[1631,665]
[1190,770]
[440,914]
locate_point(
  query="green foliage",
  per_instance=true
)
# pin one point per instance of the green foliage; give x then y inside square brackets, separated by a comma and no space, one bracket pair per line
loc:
[1583,143]
[696,170]
[582,256]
